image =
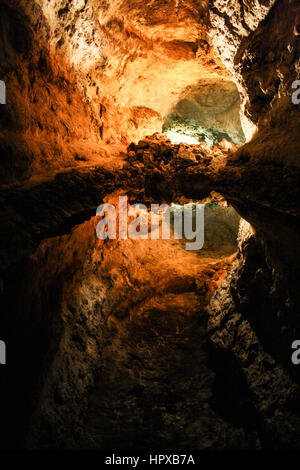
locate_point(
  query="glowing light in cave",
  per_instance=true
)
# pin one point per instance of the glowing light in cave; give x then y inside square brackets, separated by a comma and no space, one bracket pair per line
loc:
[178,138]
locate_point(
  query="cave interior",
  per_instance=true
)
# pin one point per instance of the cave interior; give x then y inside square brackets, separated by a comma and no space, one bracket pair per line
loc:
[141,343]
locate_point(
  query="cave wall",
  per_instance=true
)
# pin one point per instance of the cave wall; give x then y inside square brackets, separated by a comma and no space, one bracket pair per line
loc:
[127,47]
[255,313]
[252,324]
[38,129]
[64,107]
[261,178]
[84,75]
[259,43]
[87,309]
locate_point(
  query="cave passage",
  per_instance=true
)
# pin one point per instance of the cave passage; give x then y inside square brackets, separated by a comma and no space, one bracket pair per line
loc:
[156,384]
[208,111]
[141,316]
[140,343]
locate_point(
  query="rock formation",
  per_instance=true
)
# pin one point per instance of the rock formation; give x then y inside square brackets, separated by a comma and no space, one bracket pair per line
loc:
[140,343]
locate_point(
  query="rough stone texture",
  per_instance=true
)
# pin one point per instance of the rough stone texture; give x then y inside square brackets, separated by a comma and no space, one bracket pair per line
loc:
[259,43]
[127,47]
[72,93]
[82,75]
[210,110]
[128,326]
[38,129]
[253,317]
[245,343]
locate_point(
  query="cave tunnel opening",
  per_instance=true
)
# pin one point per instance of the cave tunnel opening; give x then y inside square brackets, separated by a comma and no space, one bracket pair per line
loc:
[208,111]
[221,227]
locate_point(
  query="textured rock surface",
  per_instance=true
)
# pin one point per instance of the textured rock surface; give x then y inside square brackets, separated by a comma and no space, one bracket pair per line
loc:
[250,341]
[46,123]
[253,317]
[259,43]
[82,76]
[128,315]
[209,110]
